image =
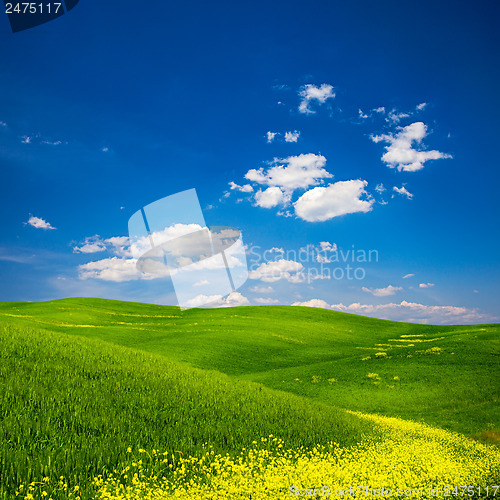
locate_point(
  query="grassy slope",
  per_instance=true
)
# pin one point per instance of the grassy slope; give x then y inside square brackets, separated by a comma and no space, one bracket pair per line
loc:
[455,388]
[72,406]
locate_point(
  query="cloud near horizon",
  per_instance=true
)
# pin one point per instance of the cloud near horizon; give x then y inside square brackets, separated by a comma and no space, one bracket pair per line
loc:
[410,312]
[234,299]
[383,292]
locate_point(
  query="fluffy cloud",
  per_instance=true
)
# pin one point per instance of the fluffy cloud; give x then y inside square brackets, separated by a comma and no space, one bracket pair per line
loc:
[117,245]
[270,136]
[276,270]
[426,285]
[382,292]
[92,244]
[292,136]
[262,300]
[310,93]
[111,269]
[400,152]
[39,223]
[292,173]
[326,246]
[409,312]
[247,188]
[313,303]
[324,203]
[380,188]
[234,299]
[271,197]
[403,191]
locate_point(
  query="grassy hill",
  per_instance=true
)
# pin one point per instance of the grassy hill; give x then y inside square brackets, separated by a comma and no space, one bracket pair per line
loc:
[442,375]
[84,380]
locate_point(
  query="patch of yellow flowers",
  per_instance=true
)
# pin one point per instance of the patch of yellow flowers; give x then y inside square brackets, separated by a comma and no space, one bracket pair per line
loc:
[410,455]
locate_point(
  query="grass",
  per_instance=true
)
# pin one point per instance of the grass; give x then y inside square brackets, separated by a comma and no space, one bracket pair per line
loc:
[71,407]
[455,388]
[84,379]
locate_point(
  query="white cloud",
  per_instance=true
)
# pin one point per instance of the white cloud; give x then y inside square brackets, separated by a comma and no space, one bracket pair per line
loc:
[246,188]
[381,110]
[262,289]
[426,285]
[262,300]
[409,311]
[313,303]
[270,136]
[310,93]
[292,173]
[276,270]
[362,115]
[271,197]
[292,136]
[322,259]
[418,313]
[3,124]
[234,299]
[202,300]
[380,188]
[406,276]
[276,250]
[403,191]
[421,106]
[111,269]
[105,150]
[51,143]
[26,139]
[120,245]
[39,223]
[400,152]
[395,116]
[90,245]
[382,292]
[324,203]
[326,246]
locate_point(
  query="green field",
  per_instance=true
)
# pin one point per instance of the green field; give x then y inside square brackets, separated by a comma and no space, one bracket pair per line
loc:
[84,380]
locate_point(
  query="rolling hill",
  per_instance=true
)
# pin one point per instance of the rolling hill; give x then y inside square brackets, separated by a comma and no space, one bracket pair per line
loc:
[84,380]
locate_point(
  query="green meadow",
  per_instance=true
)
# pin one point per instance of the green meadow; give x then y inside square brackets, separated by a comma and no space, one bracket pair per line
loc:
[87,383]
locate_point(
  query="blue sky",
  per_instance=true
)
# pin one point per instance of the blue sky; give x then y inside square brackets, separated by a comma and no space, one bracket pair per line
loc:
[115,105]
